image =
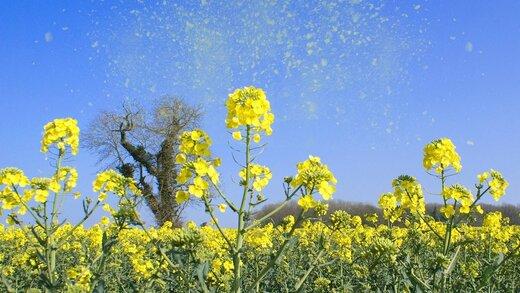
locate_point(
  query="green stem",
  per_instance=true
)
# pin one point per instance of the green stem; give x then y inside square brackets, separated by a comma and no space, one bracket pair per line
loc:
[277,209]
[237,253]
[278,254]
[215,221]
[300,282]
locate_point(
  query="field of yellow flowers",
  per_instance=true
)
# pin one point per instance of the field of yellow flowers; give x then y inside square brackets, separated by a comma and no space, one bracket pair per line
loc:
[39,252]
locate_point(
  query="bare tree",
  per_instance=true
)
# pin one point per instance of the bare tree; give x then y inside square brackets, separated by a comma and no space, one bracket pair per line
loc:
[142,143]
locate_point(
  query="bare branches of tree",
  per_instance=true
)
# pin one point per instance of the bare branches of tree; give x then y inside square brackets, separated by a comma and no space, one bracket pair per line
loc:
[142,142]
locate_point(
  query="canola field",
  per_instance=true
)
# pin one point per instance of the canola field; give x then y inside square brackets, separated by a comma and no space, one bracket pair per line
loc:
[410,252]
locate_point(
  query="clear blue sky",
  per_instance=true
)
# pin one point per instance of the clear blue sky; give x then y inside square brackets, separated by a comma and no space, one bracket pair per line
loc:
[363,84]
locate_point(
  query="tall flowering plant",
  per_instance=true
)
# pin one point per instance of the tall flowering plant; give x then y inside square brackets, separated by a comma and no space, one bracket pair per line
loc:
[406,204]
[40,200]
[249,118]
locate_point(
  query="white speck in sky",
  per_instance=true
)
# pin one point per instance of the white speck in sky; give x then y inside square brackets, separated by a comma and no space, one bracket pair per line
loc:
[48,37]
[95,44]
[470,143]
[324,62]
[310,108]
[469,47]
[417,6]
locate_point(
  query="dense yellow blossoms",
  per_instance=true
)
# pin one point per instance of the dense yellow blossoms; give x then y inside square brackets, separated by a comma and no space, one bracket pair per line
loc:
[249,107]
[313,175]
[411,251]
[260,175]
[440,155]
[407,196]
[196,143]
[197,170]
[69,177]
[61,132]
[112,181]
[461,195]
[307,202]
[13,176]
[498,185]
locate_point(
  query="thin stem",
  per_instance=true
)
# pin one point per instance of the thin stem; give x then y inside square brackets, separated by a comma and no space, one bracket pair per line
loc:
[237,269]
[226,199]
[277,209]
[278,254]
[215,220]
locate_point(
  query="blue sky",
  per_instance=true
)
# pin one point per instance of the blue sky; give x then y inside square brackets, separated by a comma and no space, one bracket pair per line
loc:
[363,84]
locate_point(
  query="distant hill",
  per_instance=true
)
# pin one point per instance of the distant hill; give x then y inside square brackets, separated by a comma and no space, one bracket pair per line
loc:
[361,209]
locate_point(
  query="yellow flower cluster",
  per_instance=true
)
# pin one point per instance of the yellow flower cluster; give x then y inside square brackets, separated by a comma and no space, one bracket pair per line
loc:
[388,203]
[407,196]
[80,275]
[62,132]
[441,154]
[136,264]
[260,175]
[496,232]
[461,195]
[307,202]
[498,185]
[196,166]
[249,107]
[13,176]
[112,181]
[10,178]
[198,170]
[69,177]
[196,143]
[40,187]
[132,243]
[314,175]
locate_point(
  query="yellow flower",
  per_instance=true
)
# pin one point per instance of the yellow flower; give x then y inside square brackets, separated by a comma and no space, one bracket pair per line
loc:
[181,196]
[482,177]
[307,202]
[105,221]
[313,174]
[184,175]
[222,207]
[201,167]
[372,218]
[237,135]
[256,138]
[112,181]
[460,194]
[13,176]
[260,176]
[498,185]
[195,142]
[199,187]
[249,107]
[448,211]
[388,203]
[62,132]
[41,195]
[107,208]
[441,154]
[326,190]
[180,158]
[70,177]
